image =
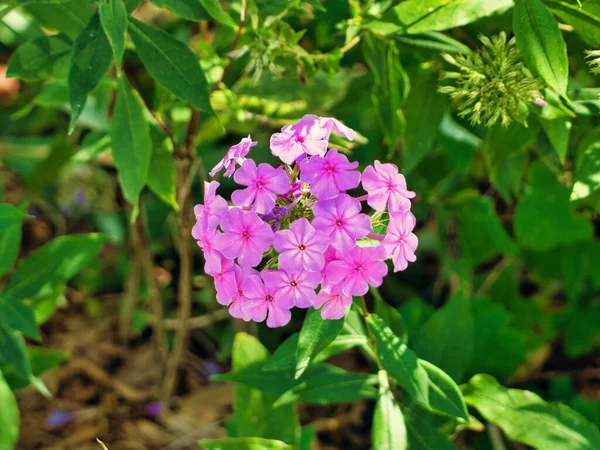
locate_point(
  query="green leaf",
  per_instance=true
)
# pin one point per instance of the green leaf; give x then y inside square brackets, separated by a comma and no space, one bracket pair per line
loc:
[161,173]
[541,43]
[18,316]
[188,9]
[424,111]
[171,63]
[525,417]
[390,89]
[113,16]
[446,339]
[390,316]
[89,62]
[401,362]
[9,417]
[329,384]
[216,12]
[244,444]
[68,17]
[131,143]
[10,215]
[544,218]
[10,243]
[56,262]
[41,58]
[422,435]
[585,19]
[284,358]
[558,132]
[389,431]
[420,16]
[13,353]
[433,41]
[587,174]
[444,394]
[44,359]
[316,334]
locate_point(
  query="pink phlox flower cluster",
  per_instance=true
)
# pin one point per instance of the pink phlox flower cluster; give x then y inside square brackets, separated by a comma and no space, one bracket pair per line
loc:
[295,236]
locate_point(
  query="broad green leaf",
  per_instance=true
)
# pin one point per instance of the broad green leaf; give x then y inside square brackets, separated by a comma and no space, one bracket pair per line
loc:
[41,58]
[90,60]
[420,16]
[446,339]
[316,334]
[481,235]
[9,417]
[389,431]
[389,315]
[585,19]
[18,316]
[13,353]
[424,111]
[216,12]
[69,17]
[541,43]
[558,132]
[10,215]
[587,173]
[544,217]
[171,63]
[433,41]
[508,140]
[10,243]
[329,384]
[44,359]
[131,143]
[58,261]
[401,362]
[161,173]
[390,88]
[525,417]
[582,334]
[188,9]
[444,394]
[244,444]
[284,358]
[422,435]
[113,16]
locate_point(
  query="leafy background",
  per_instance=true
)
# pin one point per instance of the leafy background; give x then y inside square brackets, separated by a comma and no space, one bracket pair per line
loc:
[105,138]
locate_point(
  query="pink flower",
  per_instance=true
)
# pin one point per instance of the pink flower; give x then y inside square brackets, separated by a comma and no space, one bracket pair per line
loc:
[225,282]
[331,124]
[357,269]
[386,186]
[306,136]
[262,302]
[334,305]
[236,306]
[245,237]
[206,232]
[214,205]
[235,155]
[341,220]
[263,183]
[301,247]
[329,175]
[299,286]
[399,242]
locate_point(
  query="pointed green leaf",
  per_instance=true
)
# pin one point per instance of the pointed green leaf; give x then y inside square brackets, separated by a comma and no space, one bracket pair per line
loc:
[587,174]
[69,17]
[113,16]
[161,173]
[389,431]
[216,12]
[422,434]
[399,360]
[188,9]
[525,417]
[584,17]
[10,215]
[558,132]
[541,43]
[131,144]
[10,243]
[171,63]
[9,417]
[41,58]
[444,394]
[13,354]
[90,60]
[316,334]
[244,444]
[18,316]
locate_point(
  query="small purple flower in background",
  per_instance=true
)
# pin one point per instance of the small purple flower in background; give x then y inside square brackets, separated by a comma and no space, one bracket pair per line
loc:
[245,237]
[301,221]
[58,418]
[214,205]
[341,220]
[301,247]
[357,269]
[385,186]
[264,183]
[153,410]
[235,155]
[299,286]
[334,305]
[263,303]
[399,242]
[329,175]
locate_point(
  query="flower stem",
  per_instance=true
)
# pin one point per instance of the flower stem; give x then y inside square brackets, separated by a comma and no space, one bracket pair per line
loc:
[377,237]
[362,198]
